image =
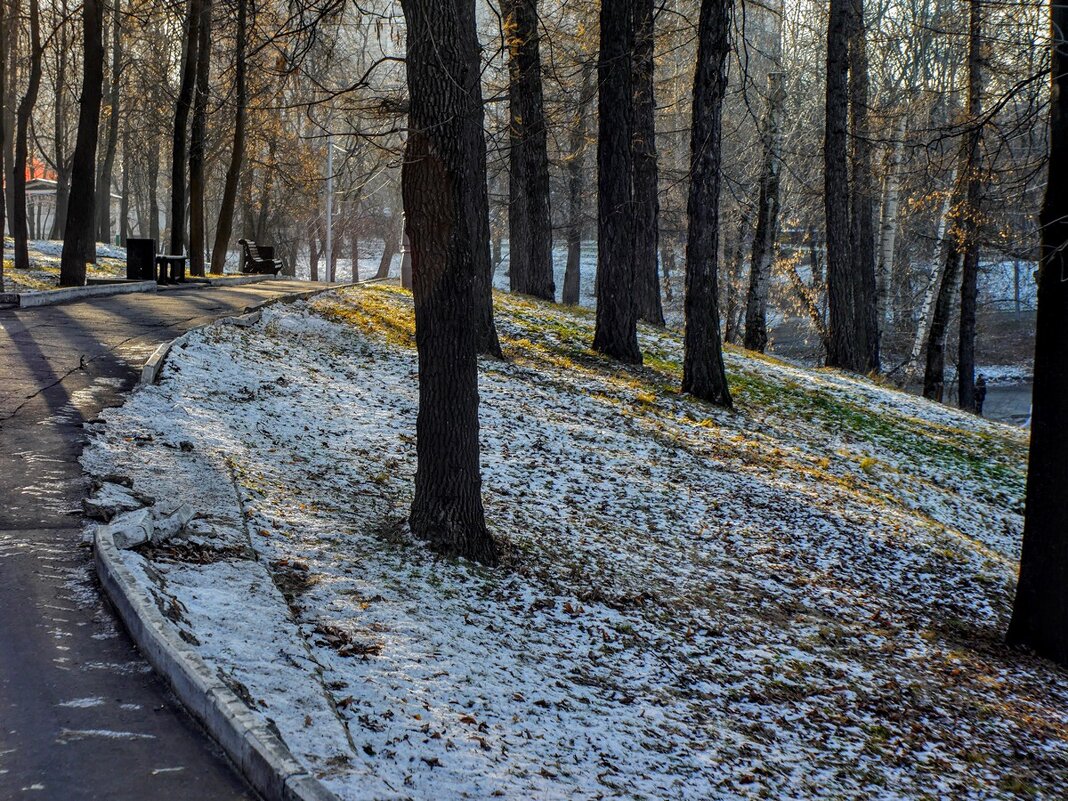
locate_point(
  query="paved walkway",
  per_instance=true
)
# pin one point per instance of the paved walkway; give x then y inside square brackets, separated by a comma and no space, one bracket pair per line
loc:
[82,715]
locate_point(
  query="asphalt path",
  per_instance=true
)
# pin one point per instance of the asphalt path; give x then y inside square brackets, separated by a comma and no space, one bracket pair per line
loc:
[82,715]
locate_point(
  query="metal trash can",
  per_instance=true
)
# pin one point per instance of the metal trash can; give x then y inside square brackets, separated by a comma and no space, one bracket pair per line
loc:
[141,259]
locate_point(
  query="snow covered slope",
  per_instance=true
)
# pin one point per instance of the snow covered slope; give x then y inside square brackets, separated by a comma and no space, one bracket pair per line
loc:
[802,598]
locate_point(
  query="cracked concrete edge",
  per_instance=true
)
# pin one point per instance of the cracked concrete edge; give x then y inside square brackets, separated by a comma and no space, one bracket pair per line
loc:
[260,755]
[48,297]
[154,364]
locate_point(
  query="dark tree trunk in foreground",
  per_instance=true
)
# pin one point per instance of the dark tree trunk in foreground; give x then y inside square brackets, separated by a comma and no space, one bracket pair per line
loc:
[225,228]
[616,333]
[107,164]
[763,256]
[862,197]
[530,247]
[575,162]
[643,141]
[969,289]
[181,121]
[1040,613]
[703,373]
[197,238]
[844,348]
[445,200]
[81,217]
[19,222]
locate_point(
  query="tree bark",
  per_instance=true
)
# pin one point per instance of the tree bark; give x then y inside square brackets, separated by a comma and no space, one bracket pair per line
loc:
[888,223]
[153,192]
[59,122]
[969,288]
[1040,611]
[197,236]
[529,222]
[703,373]
[225,228]
[646,181]
[843,346]
[575,162]
[124,205]
[767,227]
[4,133]
[181,121]
[11,55]
[616,332]
[862,197]
[19,222]
[81,217]
[107,164]
[447,220]
[390,244]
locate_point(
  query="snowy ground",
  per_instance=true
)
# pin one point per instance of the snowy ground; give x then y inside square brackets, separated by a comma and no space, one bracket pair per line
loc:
[44,265]
[803,598]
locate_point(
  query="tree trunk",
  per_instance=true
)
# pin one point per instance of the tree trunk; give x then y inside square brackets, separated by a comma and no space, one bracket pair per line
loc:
[389,245]
[888,222]
[313,251]
[646,183]
[616,332]
[529,223]
[181,120]
[1040,612]
[19,222]
[756,305]
[197,236]
[59,122]
[124,205]
[80,224]
[735,250]
[11,55]
[934,371]
[969,289]
[703,373]
[575,163]
[225,228]
[843,347]
[862,197]
[447,213]
[153,193]
[4,133]
[107,164]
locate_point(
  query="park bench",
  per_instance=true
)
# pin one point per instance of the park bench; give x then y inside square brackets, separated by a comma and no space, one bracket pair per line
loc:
[256,261]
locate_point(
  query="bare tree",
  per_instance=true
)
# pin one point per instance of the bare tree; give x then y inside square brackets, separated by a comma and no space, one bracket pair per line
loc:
[19,228]
[703,374]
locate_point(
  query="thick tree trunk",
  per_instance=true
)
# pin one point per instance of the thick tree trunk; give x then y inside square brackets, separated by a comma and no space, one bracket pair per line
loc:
[862,196]
[1040,612]
[767,227]
[935,365]
[225,228]
[81,217]
[969,289]
[197,235]
[529,222]
[616,333]
[181,121]
[844,348]
[703,373]
[646,181]
[10,53]
[575,163]
[107,164]
[447,212]
[19,222]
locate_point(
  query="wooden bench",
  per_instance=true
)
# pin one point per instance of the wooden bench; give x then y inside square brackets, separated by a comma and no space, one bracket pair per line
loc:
[256,262]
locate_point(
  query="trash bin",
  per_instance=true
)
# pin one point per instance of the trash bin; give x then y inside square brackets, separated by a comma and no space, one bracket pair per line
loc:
[141,259]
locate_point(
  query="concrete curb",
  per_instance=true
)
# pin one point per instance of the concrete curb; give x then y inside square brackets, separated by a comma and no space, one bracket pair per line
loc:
[258,753]
[48,297]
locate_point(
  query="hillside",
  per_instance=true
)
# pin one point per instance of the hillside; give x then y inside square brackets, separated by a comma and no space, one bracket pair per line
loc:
[801,598]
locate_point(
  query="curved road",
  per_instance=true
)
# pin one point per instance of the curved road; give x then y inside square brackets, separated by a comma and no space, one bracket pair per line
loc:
[82,715]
